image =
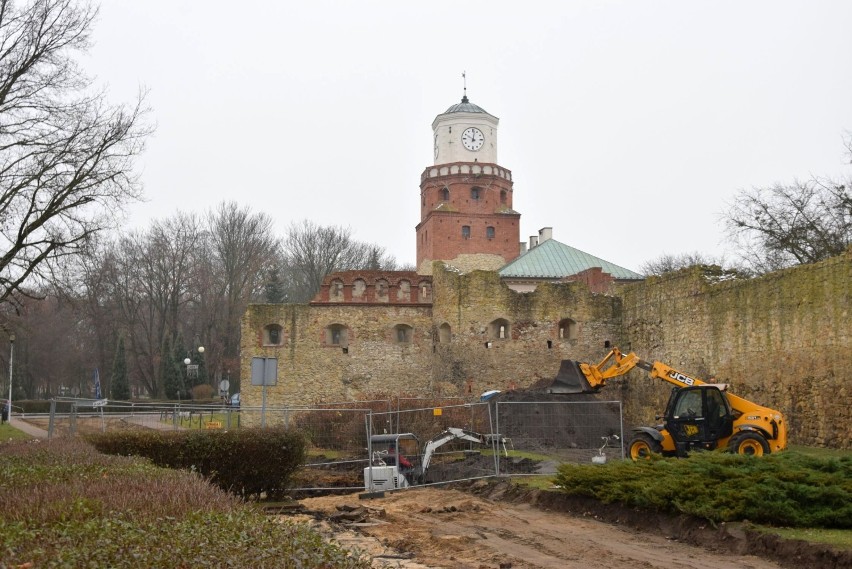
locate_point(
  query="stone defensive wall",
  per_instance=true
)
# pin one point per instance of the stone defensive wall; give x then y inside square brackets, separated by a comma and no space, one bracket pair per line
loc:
[491,337]
[363,358]
[783,340]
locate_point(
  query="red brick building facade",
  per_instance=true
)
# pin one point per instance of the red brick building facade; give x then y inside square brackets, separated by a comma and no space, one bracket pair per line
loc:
[466,209]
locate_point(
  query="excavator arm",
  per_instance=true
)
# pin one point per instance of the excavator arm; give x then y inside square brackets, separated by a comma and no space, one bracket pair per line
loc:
[452,434]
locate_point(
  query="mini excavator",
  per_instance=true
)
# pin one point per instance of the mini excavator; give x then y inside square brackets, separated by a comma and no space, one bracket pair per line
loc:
[396,461]
[699,415]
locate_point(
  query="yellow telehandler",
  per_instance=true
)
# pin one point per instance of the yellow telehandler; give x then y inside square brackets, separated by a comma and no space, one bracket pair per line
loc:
[699,415]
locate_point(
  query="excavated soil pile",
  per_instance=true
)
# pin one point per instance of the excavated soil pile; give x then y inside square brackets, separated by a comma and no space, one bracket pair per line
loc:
[570,428]
[476,465]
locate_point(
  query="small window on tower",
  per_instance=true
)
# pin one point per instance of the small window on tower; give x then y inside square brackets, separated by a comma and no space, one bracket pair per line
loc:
[489,232]
[465,231]
[502,196]
[445,194]
[475,193]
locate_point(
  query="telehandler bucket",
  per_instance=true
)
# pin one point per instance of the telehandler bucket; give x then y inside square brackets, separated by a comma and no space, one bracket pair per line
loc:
[570,379]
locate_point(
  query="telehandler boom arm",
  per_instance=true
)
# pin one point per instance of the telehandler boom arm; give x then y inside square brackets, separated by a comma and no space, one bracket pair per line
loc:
[616,363]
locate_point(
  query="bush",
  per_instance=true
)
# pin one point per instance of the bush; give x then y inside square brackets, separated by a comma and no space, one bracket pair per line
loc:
[66,505]
[785,489]
[41,405]
[247,462]
[202,392]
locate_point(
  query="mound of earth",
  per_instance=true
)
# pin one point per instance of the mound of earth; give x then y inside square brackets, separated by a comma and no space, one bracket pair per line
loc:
[494,524]
[738,538]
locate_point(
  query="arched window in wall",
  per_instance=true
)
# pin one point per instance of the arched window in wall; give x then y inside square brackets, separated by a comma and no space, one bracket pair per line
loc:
[335,291]
[382,290]
[337,335]
[425,291]
[445,194]
[503,196]
[489,232]
[403,293]
[445,333]
[273,335]
[499,329]
[567,329]
[465,231]
[359,287]
[475,193]
[403,334]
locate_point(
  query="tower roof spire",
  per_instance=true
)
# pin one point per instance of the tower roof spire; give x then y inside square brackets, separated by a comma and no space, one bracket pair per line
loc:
[464,81]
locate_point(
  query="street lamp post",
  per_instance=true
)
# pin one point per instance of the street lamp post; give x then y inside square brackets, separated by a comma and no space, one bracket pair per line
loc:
[11,359]
[188,361]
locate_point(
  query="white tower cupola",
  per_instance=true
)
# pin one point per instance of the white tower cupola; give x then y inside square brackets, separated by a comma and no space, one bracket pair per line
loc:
[465,133]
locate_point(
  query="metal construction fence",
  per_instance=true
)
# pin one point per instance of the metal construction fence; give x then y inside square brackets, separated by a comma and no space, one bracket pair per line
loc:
[544,434]
[522,437]
[455,459]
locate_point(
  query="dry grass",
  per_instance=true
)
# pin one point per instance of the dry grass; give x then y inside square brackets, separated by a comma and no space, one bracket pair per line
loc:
[66,505]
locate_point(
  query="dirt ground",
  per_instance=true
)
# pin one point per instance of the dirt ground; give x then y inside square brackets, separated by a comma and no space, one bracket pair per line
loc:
[487,524]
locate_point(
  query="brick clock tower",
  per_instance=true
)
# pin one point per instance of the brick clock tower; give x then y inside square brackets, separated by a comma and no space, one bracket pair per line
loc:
[466,215]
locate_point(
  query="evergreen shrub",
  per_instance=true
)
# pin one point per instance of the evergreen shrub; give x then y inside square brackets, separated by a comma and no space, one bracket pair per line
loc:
[785,489]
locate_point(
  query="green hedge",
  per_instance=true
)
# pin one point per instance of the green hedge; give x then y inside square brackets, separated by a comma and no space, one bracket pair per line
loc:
[40,406]
[247,462]
[784,489]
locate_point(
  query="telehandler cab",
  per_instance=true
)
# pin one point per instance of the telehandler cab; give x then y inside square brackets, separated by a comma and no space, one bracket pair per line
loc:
[699,415]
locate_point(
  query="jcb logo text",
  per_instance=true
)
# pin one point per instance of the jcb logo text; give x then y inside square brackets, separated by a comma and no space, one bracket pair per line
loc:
[684,379]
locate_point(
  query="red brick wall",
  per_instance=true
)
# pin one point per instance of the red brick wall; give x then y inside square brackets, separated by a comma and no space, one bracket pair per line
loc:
[597,280]
[439,234]
[375,287]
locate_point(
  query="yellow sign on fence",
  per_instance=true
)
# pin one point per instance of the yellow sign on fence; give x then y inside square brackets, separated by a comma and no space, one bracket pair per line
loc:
[213,425]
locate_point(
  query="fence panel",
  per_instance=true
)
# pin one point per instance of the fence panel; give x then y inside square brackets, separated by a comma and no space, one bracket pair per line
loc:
[543,434]
[455,458]
[538,435]
[81,416]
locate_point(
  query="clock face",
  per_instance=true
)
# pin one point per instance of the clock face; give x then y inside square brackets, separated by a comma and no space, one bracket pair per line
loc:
[473,139]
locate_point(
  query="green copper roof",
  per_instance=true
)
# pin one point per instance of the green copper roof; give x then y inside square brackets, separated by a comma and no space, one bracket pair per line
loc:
[554,260]
[465,107]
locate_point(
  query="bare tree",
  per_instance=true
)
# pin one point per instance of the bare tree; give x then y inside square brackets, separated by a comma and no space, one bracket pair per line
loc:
[44,365]
[66,156]
[847,145]
[243,250]
[785,225]
[312,251]
[668,263]
[152,281]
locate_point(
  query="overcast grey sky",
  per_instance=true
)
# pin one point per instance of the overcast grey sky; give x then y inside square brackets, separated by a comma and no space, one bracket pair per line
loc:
[627,124]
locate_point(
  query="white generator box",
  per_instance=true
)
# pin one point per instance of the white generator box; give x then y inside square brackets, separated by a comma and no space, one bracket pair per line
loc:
[383,478]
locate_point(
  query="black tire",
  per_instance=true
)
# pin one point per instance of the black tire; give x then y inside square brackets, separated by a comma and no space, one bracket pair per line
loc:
[642,446]
[748,443]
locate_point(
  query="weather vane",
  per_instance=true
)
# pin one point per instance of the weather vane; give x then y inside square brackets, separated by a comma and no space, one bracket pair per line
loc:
[464,81]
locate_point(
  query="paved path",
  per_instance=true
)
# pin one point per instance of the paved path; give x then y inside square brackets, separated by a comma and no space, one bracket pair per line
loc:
[27,428]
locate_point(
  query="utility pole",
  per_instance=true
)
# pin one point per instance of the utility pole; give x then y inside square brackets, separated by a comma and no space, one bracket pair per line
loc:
[11,358]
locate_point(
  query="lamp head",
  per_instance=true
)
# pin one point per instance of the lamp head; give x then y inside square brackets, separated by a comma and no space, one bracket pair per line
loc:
[187,361]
